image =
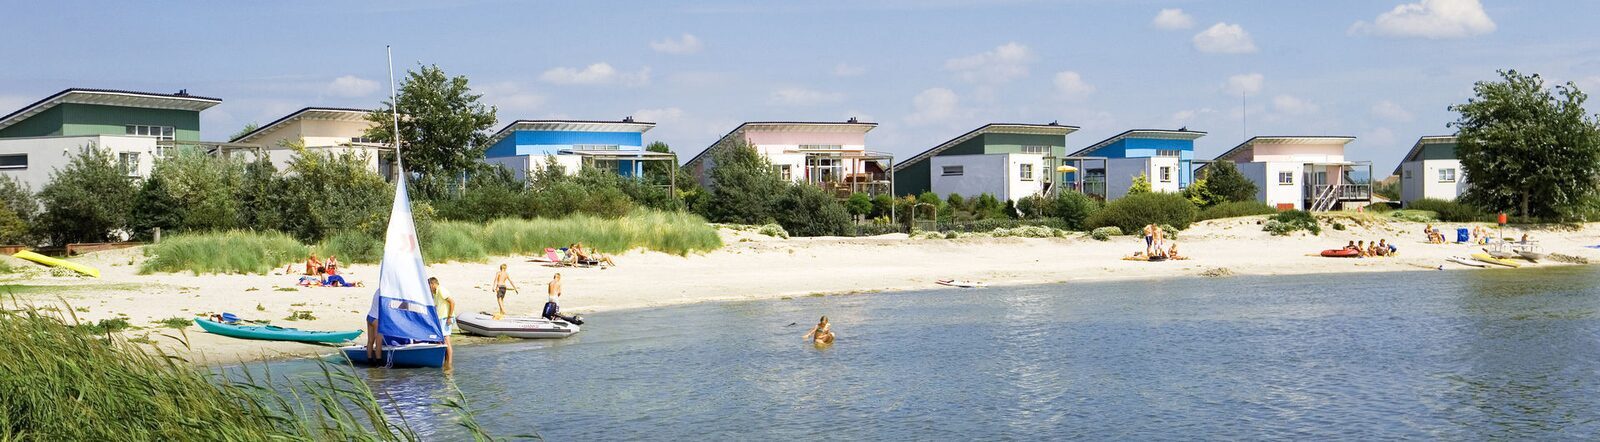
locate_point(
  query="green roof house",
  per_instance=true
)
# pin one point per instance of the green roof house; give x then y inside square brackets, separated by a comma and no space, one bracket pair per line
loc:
[134,126]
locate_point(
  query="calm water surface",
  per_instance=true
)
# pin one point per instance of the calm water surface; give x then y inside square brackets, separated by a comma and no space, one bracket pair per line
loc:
[1469,354]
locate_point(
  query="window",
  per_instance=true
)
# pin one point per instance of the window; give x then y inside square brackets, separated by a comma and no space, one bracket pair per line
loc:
[129,162]
[1166,174]
[954,171]
[1447,175]
[1036,149]
[363,140]
[160,132]
[821,147]
[1026,172]
[14,161]
[1167,152]
[1406,174]
[595,147]
[1286,178]
[783,170]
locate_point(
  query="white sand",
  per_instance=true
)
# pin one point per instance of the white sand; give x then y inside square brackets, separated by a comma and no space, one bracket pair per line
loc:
[749,267]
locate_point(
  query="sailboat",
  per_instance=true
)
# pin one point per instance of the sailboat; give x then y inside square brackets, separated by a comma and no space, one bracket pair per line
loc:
[407,321]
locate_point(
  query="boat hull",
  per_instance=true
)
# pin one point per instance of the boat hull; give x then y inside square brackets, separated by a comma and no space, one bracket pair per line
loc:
[268,333]
[515,326]
[398,356]
[1466,262]
[1485,257]
[1340,253]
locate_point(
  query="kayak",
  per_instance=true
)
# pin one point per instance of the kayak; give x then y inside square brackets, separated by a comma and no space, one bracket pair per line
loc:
[526,327]
[275,333]
[399,356]
[1466,262]
[1493,260]
[1341,253]
[960,283]
[54,262]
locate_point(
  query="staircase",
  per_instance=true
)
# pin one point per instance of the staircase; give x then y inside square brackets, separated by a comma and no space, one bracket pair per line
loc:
[1325,199]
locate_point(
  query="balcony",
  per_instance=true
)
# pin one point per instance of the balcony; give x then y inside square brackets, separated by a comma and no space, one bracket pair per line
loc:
[1341,192]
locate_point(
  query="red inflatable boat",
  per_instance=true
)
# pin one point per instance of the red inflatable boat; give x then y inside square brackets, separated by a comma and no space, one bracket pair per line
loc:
[1340,253]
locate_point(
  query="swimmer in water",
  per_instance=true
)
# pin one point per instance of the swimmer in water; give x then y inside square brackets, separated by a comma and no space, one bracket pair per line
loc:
[822,334]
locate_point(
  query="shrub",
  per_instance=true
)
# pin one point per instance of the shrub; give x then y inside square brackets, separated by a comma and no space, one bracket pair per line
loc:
[985,225]
[326,192]
[1338,225]
[1170,231]
[19,212]
[236,251]
[202,190]
[1140,185]
[1416,216]
[1450,211]
[773,230]
[807,210]
[1074,209]
[859,204]
[353,246]
[1224,180]
[986,206]
[1290,221]
[1133,212]
[1235,209]
[1105,233]
[744,186]
[88,201]
[1385,207]
[1201,195]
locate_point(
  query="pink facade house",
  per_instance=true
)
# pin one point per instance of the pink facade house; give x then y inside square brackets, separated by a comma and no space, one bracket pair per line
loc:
[1303,172]
[831,155]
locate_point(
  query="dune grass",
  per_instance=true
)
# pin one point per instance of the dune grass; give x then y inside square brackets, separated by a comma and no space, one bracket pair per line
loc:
[65,382]
[234,251]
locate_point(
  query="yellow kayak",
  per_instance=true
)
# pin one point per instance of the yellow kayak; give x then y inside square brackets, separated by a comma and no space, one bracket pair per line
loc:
[1493,260]
[62,263]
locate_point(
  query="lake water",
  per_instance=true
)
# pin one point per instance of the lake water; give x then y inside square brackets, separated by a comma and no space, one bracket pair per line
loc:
[1452,355]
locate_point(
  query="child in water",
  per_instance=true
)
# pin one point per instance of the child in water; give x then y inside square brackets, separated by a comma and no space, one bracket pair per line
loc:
[822,334]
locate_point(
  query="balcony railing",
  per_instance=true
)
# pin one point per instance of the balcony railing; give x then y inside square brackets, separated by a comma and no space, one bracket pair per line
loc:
[1342,192]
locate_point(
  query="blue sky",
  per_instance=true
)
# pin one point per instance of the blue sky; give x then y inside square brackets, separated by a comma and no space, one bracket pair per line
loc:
[928,70]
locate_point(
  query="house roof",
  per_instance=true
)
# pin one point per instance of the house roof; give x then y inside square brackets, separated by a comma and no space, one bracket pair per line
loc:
[624,125]
[1280,139]
[111,97]
[308,113]
[851,126]
[1158,134]
[1416,149]
[1001,128]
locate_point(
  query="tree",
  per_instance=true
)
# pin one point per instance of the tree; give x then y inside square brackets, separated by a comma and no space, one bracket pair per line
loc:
[197,191]
[260,198]
[154,207]
[328,192]
[859,205]
[18,200]
[1527,149]
[248,128]
[744,187]
[1224,180]
[1141,184]
[443,131]
[986,206]
[1199,192]
[88,201]
[1073,208]
[807,210]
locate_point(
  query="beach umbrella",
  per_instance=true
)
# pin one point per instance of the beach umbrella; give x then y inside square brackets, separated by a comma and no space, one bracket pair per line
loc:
[1065,168]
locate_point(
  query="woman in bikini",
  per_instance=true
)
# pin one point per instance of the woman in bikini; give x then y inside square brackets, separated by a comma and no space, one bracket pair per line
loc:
[822,334]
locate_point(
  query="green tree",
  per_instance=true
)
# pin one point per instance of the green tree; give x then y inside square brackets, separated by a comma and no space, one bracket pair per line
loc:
[328,192]
[201,193]
[260,196]
[744,187]
[88,201]
[986,206]
[1074,209]
[154,207]
[19,200]
[248,128]
[443,129]
[807,210]
[1224,180]
[859,205]
[1141,184]
[1199,192]
[1527,149]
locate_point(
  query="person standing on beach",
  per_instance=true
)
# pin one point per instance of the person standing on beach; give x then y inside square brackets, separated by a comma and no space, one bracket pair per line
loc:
[553,289]
[446,306]
[1149,239]
[502,281]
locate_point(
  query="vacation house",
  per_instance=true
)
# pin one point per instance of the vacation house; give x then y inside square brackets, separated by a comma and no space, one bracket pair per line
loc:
[525,145]
[317,129]
[1164,157]
[1007,160]
[1431,170]
[832,155]
[1308,173]
[135,127]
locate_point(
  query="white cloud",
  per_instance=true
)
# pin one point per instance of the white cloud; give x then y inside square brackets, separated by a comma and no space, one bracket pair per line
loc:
[1245,84]
[1187,116]
[596,74]
[351,86]
[666,114]
[846,70]
[1223,38]
[933,105]
[687,44]
[1071,86]
[799,96]
[1430,19]
[1293,105]
[1382,137]
[1172,20]
[510,96]
[1390,111]
[1002,64]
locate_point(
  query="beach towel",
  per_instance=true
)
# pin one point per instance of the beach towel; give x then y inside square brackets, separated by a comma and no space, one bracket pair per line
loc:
[1596,246]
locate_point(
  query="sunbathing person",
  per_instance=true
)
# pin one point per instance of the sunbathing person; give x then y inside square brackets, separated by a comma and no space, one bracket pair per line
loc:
[332,265]
[313,265]
[338,281]
[1384,248]
[1172,253]
[1361,248]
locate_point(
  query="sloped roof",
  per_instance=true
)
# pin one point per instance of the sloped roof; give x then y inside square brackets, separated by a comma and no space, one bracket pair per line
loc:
[308,113]
[1416,149]
[111,97]
[1000,128]
[1282,139]
[625,125]
[1158,134]
[819,126]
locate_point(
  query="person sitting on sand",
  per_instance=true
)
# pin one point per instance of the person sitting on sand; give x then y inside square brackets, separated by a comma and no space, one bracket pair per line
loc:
[1361,248]
[822,334]
[502,281]
[332,265]
[313,264]
[1350,246]
[1172,253]
[1385,248]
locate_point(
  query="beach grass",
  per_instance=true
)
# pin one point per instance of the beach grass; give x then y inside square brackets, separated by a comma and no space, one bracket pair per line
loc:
[234,251]
[68,382]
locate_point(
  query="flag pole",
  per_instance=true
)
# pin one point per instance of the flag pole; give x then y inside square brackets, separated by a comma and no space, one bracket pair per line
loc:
[394,110]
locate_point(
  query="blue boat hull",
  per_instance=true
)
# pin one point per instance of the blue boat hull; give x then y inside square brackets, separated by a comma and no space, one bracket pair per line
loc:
[399,356]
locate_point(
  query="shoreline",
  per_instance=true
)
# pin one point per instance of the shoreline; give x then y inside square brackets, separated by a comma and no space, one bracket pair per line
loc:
[749,268]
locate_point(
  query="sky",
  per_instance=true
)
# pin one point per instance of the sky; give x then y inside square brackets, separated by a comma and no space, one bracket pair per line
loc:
[1384,71]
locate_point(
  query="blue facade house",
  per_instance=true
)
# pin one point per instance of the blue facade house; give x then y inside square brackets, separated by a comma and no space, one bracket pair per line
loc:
[1164,157]
[525,146]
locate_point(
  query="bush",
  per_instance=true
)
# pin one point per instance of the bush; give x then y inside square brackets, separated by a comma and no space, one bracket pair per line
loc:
[236,251]
[1224,181]
[1382,207]
[1133,212]
[1450,211]
[1105,233]
[1235,209]
[1290,221]
[1416,216]
[1170,231]
[88,201]
[859,205]
[19,211]
[807,210]
[199,191]
[1074,209]
[744,186]
[354,246]
[773,230]
[986,225]
[325,193]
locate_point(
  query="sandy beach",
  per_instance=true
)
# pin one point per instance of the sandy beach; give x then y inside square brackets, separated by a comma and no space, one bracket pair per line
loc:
[749,267]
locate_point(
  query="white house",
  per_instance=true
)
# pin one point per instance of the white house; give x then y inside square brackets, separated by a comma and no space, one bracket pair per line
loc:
[317,129]
[134,127]
[1431,170]
[1302,172]
[1008,160]
[832,155]
[524,145]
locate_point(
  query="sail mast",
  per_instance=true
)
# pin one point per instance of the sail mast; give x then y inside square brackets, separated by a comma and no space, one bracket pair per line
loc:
[394,110]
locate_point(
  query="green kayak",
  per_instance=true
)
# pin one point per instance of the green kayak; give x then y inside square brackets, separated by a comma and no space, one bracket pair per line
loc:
[275,333]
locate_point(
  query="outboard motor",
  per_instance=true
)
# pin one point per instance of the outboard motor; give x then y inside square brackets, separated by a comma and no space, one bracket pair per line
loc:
[553,312]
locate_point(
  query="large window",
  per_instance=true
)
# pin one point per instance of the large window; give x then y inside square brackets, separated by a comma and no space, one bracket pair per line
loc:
[160,132]
[14,161]
[1026,172]
[1447,175]
[1167,152]
[785,172]
[363,140]
[953,171]
[1286,178]
[1036,149]
[1166,174]
[821,147]
[595,147]
[129,161]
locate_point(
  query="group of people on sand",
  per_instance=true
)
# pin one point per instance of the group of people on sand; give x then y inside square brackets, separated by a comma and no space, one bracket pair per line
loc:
[1373,249]
[502,283]
[1156,244]
[320,273]
[577,254]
